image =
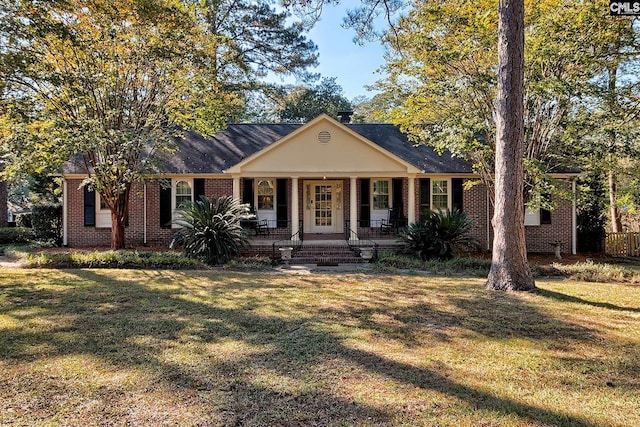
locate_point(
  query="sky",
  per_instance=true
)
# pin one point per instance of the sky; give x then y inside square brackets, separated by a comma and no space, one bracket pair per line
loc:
[353,65]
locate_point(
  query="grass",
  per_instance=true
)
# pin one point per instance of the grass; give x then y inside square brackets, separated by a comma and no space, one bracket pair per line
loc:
[161,347]
[621,270]
[34,257]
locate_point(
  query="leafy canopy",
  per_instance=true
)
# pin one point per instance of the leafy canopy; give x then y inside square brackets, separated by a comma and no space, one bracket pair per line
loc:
[442,70]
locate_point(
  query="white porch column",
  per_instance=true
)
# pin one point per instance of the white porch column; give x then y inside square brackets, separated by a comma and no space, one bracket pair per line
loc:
[236,187]
[411,215]
[353,208]
[295,213]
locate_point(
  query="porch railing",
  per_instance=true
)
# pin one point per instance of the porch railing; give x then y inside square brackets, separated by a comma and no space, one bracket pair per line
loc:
[374,229]
[622,244]
[294,241]
[268,229]
[361,244]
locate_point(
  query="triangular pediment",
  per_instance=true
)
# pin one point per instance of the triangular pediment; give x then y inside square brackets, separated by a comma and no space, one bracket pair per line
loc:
[320,147]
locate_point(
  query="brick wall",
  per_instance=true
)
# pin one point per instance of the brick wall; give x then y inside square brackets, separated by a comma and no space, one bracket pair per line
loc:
[79,235]
[475,204]
[538,237]
[3,204]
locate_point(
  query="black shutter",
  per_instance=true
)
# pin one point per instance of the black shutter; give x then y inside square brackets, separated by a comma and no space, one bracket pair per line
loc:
[89,207]
[365,195]
[165,207]
[247,191]
[545,216]
[425,196]
[281,203]
[198,188]
[398,201]
[457,191]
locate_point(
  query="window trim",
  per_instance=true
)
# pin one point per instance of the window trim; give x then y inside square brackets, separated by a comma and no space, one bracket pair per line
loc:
[373,194]
[449,192]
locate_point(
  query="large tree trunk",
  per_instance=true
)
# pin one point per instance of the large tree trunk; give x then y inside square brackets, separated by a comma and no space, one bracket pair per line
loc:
[509,267]
[119,214]
[616,218]
[117,231]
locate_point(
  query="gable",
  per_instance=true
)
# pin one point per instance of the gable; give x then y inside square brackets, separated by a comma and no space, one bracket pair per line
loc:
[323,146]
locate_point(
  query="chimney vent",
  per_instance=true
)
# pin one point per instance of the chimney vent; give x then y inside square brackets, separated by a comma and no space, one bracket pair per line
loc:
[345,116]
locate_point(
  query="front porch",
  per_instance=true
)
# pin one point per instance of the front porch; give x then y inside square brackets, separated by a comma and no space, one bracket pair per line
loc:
[273,230]
[330,249]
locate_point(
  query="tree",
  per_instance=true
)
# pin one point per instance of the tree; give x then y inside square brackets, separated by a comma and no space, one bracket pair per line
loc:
[305,103]
[257,40]
[112,83]
[442,65]
[609,136]
[108,82]
[509,267]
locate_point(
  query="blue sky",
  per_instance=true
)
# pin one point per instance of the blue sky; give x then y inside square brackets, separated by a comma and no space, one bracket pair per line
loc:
[353,65]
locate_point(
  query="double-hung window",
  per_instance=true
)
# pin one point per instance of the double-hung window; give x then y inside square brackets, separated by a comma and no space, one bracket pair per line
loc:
[266,194]
[439,194]
[182,193]
[381,195]
[103,213]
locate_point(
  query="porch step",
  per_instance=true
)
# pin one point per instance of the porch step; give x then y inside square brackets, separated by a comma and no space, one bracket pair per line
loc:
[325,255]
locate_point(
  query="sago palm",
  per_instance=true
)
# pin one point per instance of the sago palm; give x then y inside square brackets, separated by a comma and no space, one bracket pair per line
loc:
[210,229]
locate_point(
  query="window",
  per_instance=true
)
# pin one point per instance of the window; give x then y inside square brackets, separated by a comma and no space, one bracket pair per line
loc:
[266,193]
[531,216]
[439,194]
[103,213]
[381,194]
[183,194]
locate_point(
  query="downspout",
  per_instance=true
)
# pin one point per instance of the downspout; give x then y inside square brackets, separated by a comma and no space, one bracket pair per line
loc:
[65,216]
[144,213]
[574,221]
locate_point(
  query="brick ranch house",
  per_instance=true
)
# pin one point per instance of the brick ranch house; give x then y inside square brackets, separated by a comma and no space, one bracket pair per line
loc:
[324,177]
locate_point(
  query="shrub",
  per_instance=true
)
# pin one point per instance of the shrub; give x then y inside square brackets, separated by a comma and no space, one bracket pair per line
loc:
[110,259]
[24,220]
[440,235]
[9,235]
[211,229]
[47,222]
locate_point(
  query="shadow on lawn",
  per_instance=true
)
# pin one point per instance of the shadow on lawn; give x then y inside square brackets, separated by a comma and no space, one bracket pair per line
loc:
[126,323]
[558,296]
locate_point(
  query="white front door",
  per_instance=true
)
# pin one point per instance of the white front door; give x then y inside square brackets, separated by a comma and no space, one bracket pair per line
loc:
[324,207]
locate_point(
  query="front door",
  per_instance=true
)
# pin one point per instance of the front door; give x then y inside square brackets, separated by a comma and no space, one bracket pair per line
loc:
[324,207]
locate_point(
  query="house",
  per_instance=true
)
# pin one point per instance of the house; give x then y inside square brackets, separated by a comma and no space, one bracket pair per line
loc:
[324,177]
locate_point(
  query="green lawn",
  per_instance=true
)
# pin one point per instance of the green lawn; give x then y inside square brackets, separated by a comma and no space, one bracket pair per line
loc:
[147,347]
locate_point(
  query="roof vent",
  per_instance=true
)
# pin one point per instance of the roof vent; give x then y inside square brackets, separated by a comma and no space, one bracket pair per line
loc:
[345,116]
[324,136]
